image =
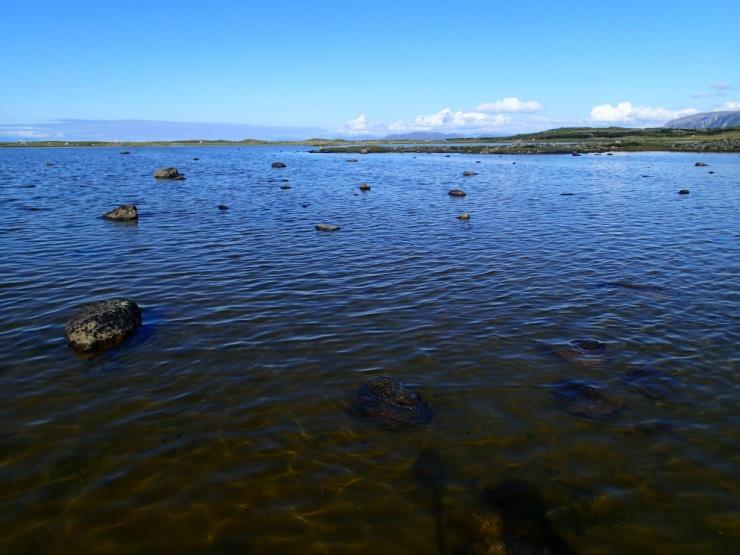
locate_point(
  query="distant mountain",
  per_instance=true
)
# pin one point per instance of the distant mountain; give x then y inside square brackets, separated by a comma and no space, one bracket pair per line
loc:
[421,136]
[706,120]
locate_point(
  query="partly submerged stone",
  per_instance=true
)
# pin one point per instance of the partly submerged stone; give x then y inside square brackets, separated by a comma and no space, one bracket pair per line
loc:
[327,227]
[465,216]
[353,160]
[168,173]
[124,213]
[391,404]
[587,399]
[125,152]
[649,383]
[456,193]
[468,173]
[364,187]
[223,207]
[683,192]
[278,165]
[701,164]
[582,351]
[102,324]
[285,186]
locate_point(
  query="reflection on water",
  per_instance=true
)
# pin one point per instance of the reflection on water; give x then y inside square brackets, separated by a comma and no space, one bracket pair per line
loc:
[224,426]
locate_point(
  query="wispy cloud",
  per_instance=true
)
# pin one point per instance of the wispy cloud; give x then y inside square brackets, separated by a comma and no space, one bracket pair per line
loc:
[510,104]
[625,112]
[718,88]
[358,126]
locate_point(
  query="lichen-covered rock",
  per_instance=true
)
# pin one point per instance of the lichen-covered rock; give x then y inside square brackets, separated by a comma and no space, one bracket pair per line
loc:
[168,173]
[587,399]
[124,213]
[278,165]
[327,227]
[102,324]
[391,404]
[456,193]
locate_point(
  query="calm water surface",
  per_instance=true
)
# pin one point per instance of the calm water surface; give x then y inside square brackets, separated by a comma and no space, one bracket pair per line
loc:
[225,424]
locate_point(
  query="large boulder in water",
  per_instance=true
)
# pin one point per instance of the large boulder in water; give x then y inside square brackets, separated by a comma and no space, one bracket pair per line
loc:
[102,324]
[587,399]
[391,404]
[168,173]
[124,213]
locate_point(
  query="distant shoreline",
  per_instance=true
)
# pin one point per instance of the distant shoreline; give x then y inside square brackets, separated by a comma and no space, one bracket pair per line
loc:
[578,140]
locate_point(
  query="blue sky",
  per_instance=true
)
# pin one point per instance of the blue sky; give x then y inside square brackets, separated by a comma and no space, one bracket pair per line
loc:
[300,68]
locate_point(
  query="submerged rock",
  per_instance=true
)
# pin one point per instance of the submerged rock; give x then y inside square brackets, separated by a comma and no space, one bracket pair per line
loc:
[364,187]
[102,324]
[49,164]
[168,173]
[636,286]
[327,227]
[285,186]
[278,165]
[468,173]
[582,351]
[392,404]
[683,192]
[649,383]
[352,160]
[465,216]
[587,399]
[124,213]
[456,193]
[196,159]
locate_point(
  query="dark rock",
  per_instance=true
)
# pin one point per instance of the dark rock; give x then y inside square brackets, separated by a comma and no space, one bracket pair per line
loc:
[102,324]
[285,186]
[610,154]
[468,173]
[196,159]
[465,216]
[278,165]
[575,154]
[125,152]
[124,213]
[305,205]
[49,164]
[580,351]
[683,192]
[352,160]
[456,193]
[327,227]
[168,173]
[567,194]
[700,165]
[587,399]
[636,286]
[710,172]
[364,187]
[223,207]
[649,383]
[447,155]
[392,404]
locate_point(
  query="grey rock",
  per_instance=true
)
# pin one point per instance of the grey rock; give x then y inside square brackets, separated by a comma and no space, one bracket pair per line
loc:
[124,213]
[168,173]
[327,227]
[103,324]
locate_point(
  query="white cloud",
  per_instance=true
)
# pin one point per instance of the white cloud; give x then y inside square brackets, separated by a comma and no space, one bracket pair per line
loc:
[625,112]
[358,126]
[449,120]
[510,104]
[730,105]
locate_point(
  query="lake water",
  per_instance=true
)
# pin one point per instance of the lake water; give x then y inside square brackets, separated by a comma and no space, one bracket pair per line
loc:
[226,424]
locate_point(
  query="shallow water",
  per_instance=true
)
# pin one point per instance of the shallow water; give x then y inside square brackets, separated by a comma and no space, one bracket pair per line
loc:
[226,424]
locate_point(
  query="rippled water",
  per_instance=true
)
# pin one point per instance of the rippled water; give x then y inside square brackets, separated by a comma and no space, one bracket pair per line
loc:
[225,424]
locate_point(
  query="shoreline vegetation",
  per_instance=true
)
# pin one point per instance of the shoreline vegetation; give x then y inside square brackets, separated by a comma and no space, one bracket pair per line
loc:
[567,140]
